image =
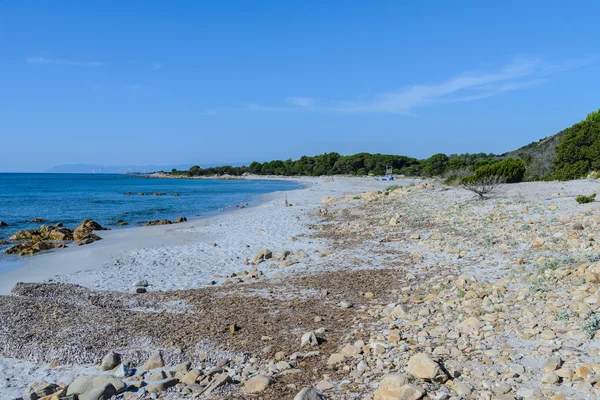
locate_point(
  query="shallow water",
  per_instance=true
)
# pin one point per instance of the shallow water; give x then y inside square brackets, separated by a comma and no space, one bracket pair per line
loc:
[70,198]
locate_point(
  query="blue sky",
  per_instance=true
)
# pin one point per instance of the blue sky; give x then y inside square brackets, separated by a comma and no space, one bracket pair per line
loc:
[154,82]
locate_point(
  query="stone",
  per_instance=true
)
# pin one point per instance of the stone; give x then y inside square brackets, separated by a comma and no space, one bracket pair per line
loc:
[309,394]
[104,392]
[140,283]
[462,389]
[550,378]
[217,381]
[161,386]
[470,325]
[110,361]
[325,384]
[336,358]
[190,377]
[39,389]
[309,338]
[155,361]
[81,384]
[261,255]
[86,228]
[103,380]
[257,384]
[124,371]
[423,367]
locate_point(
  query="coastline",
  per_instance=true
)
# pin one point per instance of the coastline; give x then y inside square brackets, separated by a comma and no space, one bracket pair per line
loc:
[62,264]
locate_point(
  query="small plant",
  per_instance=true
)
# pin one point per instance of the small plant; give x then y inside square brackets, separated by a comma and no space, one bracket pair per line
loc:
[538,288]
[593,257]
[356,198]
[565,315]
[525,227]
[393,187]
[582,199]
[592,325]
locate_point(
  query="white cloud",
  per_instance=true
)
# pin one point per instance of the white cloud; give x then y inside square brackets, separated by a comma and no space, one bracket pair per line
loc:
[520,74]
[43,60]
[300,101]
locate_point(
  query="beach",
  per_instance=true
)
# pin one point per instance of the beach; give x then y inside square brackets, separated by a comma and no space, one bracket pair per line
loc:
[419,289]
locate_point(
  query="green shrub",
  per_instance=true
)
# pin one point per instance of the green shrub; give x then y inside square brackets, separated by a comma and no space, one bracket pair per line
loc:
[511,169]
[582,199]
[392,188]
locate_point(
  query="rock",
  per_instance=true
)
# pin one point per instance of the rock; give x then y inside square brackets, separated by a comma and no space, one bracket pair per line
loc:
[158,222]
[81,384]
[110,361]
[345,304]
[89,238]
[217,382]
[396,387]
[37,220]
[190,377]
[85,228]
[550,378]
[261,255]
[140,283]
[104,392]
[423,367]
[139,290]
[155,361]
[336,358]
[124,371]
[470,325]
[39,389]
[180,220]
[62,234]
[103,380]
[161,386]
[309,394]
[325,384]
[3,224]
[462,389]
[309,338]
[257,384]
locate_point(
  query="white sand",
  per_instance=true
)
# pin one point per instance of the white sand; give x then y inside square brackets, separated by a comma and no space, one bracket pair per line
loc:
[180,256]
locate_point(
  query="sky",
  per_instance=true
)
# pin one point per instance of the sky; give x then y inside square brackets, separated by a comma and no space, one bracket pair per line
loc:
[199,82]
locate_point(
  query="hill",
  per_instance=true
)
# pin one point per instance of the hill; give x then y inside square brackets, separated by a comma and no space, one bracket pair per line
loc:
[538,156]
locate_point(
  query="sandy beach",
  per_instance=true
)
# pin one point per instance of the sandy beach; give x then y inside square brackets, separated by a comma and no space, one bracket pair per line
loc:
[486,295]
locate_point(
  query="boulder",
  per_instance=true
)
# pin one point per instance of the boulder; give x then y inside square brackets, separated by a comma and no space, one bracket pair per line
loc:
[89,238]
[217,381]
[161,386]
[155,361]
[257,384]
[62,234]
[309,338]
[80,385]
[309,394]
[396,387]
[159,222]
[104,392]
[3,224]
[87,227]
[261,255]
[423,367]
[100,381]
[180,220]
[110,361]
[40,389]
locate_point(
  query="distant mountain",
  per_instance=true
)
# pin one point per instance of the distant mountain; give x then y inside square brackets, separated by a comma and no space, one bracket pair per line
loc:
[112,169]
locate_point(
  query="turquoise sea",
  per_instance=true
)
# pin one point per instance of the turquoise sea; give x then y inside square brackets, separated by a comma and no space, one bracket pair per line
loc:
[70,198]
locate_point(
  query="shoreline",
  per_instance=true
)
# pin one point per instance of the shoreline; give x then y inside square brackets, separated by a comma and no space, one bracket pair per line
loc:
[94,257]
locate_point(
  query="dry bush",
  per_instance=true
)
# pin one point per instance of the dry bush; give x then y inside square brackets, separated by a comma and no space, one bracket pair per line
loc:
[485,186]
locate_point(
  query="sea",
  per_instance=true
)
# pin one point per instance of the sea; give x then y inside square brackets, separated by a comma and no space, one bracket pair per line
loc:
[105,198]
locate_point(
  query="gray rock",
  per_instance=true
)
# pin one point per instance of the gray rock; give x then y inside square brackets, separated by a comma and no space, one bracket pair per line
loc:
[309,394]
[161,386]
[104,392]
[110,361]
[155,361]
[39,389]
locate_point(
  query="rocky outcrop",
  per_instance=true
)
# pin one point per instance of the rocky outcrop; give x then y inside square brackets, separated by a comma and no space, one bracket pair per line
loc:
[30,248]
[87,227]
